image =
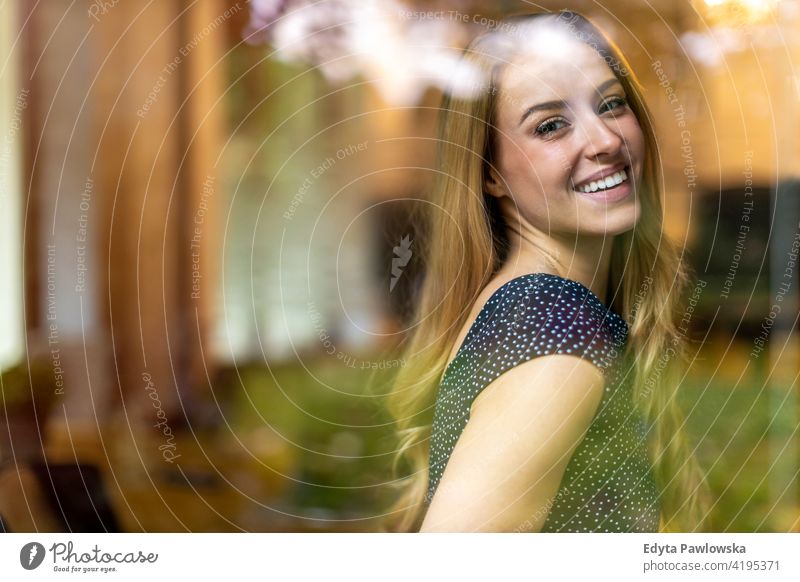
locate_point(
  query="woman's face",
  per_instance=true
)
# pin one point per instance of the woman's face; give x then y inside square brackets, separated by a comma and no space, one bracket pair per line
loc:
[565,138]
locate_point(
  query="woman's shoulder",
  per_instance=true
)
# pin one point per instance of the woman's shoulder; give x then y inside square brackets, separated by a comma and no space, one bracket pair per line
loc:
[544,296]
[540,314]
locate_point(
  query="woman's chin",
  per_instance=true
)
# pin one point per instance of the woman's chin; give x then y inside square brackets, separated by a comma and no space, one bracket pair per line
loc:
[617,221]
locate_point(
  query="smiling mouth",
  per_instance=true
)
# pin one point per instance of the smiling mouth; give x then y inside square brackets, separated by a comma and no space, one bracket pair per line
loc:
[606,183]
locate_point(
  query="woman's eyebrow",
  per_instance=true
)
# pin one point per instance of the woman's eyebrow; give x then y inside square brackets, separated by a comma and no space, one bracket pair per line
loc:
[551,105]
[546,106]
[606,84]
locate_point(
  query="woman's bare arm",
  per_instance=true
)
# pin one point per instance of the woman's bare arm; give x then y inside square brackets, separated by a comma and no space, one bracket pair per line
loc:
[506,468]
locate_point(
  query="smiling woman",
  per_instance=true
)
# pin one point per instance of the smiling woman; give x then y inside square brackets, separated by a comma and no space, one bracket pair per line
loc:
[522,405]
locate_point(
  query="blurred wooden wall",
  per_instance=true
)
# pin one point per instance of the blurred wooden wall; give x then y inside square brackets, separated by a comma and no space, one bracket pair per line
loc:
[126,123]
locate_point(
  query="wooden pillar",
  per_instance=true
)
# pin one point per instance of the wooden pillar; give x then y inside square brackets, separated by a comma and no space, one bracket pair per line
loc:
[66,341]
[159,104]
[141,86]
[137,143]
[199,217]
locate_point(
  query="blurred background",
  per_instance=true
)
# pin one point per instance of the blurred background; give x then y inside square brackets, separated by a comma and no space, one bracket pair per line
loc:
[207,261]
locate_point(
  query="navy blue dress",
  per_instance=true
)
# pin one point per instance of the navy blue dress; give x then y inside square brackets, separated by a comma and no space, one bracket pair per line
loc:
[608,484]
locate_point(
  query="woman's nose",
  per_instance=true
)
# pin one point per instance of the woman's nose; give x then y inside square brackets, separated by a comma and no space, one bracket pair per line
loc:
[601,138]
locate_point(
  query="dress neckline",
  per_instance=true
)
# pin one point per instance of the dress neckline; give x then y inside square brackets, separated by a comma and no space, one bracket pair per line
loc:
[591,293]
[588,291]
[470,332]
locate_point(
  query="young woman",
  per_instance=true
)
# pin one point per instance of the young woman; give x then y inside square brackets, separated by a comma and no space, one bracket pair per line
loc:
[545,355]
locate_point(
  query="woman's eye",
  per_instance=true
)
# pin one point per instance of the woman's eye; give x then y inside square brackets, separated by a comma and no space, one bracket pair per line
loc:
[550,126]
[614,103]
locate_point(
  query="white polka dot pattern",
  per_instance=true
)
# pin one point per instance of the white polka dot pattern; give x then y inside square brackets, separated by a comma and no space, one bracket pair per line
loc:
[608,485]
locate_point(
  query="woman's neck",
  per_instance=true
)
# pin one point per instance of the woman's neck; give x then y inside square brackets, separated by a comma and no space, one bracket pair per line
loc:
[585,259]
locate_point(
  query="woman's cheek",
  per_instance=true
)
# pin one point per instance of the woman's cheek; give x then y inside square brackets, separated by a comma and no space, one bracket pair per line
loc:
[635,140]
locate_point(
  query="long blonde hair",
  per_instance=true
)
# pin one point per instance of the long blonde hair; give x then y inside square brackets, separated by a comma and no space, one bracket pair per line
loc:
[647,277]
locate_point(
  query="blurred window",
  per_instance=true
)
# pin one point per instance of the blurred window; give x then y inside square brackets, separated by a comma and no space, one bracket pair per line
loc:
[13,101]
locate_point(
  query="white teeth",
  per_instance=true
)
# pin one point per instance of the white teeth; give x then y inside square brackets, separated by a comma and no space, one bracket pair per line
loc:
[605,183]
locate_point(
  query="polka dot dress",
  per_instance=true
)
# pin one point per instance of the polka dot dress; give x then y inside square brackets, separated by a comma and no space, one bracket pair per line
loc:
[608,485]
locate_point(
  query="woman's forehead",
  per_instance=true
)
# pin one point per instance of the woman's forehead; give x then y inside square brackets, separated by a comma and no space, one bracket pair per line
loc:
[554,70]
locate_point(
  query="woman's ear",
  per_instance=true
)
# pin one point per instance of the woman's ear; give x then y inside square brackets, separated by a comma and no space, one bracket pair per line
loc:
[493,184]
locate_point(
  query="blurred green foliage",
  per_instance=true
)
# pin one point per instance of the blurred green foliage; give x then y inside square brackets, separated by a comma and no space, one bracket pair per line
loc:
[331,418]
